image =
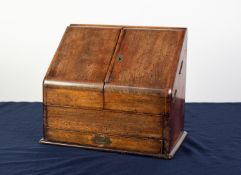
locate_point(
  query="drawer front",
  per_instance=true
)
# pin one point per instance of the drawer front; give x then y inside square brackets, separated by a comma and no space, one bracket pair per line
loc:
[73,97]
[152,146]
[134,102]
[105,121]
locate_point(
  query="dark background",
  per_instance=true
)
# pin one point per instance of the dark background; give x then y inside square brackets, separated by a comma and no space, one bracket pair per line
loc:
[213,146]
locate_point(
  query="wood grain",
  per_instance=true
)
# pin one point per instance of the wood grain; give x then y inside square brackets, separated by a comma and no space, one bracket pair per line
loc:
[117,88]
[133,102]
[105,121]
[73,97]
[141,81]
[82,59]
[149,58]
[84,55]
[120,143]
[174,124]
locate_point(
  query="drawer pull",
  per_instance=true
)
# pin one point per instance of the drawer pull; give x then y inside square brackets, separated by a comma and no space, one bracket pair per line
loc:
[101,140]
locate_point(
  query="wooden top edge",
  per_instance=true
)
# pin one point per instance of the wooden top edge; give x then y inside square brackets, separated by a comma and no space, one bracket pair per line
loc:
[96,26]
[107,87]
[127,26]
[87,86]
[154,28]
[137,90]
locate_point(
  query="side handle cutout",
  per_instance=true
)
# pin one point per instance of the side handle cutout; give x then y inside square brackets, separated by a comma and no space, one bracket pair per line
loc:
[180,70]
[174,96]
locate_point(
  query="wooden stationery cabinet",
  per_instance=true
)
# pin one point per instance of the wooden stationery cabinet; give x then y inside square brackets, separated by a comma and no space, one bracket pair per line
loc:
[118,88]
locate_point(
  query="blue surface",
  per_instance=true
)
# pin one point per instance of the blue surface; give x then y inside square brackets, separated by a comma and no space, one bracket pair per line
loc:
[213,146]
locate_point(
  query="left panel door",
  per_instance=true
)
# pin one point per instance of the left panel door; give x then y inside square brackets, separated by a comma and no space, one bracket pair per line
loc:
[76,75]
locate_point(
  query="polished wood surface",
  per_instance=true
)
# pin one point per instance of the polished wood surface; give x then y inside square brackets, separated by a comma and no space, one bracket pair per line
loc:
[140,81]
[114,142]
[149,58]
[141,103]
[117,87]
[73,97]
[175,122]
[82,58]
[105,121]
[84,55]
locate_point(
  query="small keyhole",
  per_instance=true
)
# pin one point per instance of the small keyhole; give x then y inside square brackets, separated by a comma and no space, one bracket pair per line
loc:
[119,57]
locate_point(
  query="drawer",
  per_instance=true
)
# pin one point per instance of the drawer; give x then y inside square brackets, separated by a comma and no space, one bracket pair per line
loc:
[87,97]
[151,146]
[104,121]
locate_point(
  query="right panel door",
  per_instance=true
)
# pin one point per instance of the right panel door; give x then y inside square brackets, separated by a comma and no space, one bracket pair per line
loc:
[144,69]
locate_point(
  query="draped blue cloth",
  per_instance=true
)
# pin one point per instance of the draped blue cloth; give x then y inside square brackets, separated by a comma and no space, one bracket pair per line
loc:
[213,146]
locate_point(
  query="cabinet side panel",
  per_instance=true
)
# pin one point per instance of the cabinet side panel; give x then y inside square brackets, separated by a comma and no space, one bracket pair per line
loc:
[174,124]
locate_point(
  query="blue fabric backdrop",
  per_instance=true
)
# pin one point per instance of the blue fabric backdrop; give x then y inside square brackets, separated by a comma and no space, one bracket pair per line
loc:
[213,146]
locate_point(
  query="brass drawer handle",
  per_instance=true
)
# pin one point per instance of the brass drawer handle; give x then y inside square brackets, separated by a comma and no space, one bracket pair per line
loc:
[101,140]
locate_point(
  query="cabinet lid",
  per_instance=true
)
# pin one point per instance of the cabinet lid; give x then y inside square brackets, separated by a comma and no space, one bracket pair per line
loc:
[146,58]
[83,55]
